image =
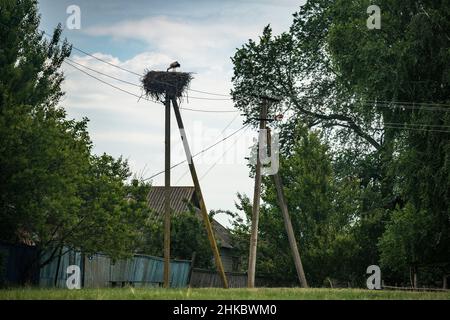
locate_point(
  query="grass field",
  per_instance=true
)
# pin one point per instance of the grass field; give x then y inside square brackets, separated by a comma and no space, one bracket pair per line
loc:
[212,294]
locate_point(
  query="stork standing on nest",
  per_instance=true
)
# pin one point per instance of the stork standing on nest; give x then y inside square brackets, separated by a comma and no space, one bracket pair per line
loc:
[173,66]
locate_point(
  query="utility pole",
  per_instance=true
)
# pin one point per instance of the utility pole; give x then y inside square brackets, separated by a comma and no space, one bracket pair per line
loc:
[171,85]
[167,197]
[256,205]
[199,194]
[283,206]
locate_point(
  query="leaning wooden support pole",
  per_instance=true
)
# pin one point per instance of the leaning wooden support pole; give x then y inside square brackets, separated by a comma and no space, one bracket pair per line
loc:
[290,231]
[288,225]
[255,208]
[167,198]
[198,192]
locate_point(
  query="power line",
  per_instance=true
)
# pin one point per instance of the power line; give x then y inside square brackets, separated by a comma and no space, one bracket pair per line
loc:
[140,75]
[109,84]
[220,111]
[437,126]
[210,93]
[226,95]
[407,105]
[209,99]
[104,61]
[141,96]
[210,111]
[222,132]
[198,153]
[382,104]
[133,84]
[390,104]
[104,74]
[405,127]
[223,155]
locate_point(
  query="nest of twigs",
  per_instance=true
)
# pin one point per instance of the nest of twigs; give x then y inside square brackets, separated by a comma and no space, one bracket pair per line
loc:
[158,84]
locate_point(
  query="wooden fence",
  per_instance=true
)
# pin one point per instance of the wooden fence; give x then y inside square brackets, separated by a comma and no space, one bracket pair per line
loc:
[201,278]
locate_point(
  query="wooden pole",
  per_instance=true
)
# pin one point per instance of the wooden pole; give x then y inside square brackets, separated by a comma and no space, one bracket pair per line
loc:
[256,205]
[288,225]
[191,271]
[198,192]
[167,198]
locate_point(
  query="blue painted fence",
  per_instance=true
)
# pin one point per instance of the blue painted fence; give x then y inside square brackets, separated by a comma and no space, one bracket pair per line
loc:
[51,271]
[99,271]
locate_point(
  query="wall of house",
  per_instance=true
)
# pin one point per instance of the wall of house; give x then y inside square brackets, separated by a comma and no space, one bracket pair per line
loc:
[227,259]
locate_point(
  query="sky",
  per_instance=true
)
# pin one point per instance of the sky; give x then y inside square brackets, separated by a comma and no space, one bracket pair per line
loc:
[148,35]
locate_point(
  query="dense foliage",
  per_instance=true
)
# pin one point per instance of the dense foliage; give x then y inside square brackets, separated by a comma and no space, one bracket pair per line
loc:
[381,102]
[188,239]
[53,191]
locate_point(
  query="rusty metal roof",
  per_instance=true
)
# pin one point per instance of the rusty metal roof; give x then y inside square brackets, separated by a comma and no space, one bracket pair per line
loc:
[180,198]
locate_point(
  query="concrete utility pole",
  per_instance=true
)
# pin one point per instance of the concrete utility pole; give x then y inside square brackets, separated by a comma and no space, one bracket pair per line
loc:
[199,194]
[256,205]
[283,206]
[167,197]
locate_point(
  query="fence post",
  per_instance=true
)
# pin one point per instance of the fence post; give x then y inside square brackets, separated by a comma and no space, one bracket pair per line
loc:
[191,271]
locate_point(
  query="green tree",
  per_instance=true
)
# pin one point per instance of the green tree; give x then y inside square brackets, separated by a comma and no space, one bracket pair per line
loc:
[335,74]
[407,60]
[53,192]
[322,209]
[405,240]
[187,236]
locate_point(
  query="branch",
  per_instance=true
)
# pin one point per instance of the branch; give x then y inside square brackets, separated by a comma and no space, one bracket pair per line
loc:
[334,116]
[350,122]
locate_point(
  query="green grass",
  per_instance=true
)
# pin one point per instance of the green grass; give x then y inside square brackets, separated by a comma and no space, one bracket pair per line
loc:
[211,294]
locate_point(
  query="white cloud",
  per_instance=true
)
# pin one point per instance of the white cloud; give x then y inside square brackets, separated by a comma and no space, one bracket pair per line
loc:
[120,125]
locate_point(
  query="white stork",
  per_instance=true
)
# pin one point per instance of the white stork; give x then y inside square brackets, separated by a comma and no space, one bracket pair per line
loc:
[173,66]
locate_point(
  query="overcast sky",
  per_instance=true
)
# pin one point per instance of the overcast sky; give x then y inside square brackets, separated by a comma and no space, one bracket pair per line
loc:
[143,34]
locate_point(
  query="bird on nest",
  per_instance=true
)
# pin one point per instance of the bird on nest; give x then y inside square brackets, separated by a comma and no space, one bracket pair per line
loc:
[173,66]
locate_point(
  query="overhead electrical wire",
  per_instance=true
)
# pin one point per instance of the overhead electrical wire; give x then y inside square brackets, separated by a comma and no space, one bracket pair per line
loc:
[108,84]
[414,129]
[140,75]
[381,104]
[141,96]
[406,105]
[104,74]
[184,108]
[198,153]
[227,95]
[438,126]
[223,155]
[146,98]
[386,104]
[222,132]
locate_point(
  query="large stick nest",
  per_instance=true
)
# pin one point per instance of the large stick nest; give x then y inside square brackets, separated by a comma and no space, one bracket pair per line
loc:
[158,84]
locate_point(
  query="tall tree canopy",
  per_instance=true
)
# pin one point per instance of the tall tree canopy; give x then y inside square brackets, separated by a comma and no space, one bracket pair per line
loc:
[381,99]
[53,191]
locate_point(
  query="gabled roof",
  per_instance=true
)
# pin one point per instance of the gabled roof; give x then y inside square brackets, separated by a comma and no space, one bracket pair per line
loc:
[180,198]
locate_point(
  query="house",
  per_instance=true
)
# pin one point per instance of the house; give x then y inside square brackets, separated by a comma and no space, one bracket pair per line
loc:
[180,201]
